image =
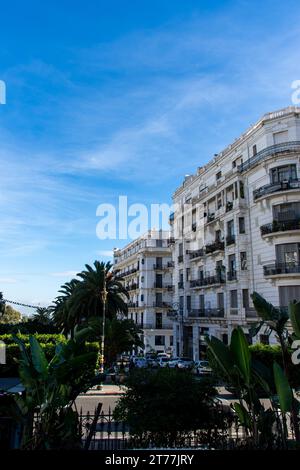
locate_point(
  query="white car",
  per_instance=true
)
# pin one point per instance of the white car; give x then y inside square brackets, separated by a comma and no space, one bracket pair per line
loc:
[163,361]
[202,368]
[173,362]
[185,363]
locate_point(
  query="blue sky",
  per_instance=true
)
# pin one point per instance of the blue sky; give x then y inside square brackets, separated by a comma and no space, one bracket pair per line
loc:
[121,98]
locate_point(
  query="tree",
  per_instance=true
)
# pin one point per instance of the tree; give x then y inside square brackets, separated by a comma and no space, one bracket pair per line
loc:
[2,304]
[163,407]
[86,300]
[42,316]
[10,315]
[121,335]
[61,307]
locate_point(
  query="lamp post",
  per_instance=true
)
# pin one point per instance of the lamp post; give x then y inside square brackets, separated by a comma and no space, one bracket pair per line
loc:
[104,298]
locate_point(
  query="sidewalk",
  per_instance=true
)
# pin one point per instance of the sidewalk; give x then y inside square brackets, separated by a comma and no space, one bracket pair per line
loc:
[105,390]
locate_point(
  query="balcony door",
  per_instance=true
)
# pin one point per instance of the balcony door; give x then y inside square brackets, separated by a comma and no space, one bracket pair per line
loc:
[288,254]
[158,280]
[159,262]
[287,294]
[283,173]
[220,300]
[286,212]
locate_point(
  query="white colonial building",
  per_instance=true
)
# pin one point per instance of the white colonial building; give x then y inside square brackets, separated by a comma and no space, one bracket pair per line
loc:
[145,267]
[236,230]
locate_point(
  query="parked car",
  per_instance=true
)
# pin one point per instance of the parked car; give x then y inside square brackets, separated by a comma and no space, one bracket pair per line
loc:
[185,363]
[162,354]
[173,362]
[163,362]
[141,363]
[202,368]
[152,362]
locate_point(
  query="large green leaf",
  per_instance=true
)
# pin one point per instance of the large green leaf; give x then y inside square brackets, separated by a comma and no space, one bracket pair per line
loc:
[264,309]
[243,415]
[294,313]
[221,355]
[39,360]
[240,349]
[284,391]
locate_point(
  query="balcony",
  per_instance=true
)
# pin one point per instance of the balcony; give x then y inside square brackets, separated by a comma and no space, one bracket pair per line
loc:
[196,253]
[180,285]
[153,326]
[286,185]
[170,241]
[232,275]
[133,286]
[207,313]
[250,312]
[159,285]
[277,226]
[210,217]
[194,226]
[281,269]
[229,206]
[160,304]
[216,246]
[230,240]
[133,304]
[285,147]
[180,258]
[208,281]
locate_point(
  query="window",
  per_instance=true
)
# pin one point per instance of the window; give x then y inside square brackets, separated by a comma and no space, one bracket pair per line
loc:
[181,303]
[243,256]
[188,274]
[218,175]
[233,299]
[283,173]
[142,319]
[286,211]
[158,320]
[264,339]
[188,303]
[171,340]
[288,253]
[143,261]
[254,150]
[159,262]
[142,297]
[225,338]
[280,137]
[158,280]
[159,340]
[218,235]
[220,300]
[201,301]
[242,192]
[159,243]
[231,264]
[230,228]
[242,224]
[245,293]
[287,294]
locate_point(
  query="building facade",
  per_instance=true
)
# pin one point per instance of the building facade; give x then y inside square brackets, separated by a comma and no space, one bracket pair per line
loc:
[235,230]
[145,266]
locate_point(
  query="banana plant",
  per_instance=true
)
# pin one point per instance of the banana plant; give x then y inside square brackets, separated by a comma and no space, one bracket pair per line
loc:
[248,377]
[51,388]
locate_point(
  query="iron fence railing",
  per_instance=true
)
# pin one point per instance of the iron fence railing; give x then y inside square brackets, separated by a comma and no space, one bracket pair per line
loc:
[285,147]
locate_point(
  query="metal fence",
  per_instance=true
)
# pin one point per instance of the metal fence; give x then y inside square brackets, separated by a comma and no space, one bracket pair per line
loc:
[104,433]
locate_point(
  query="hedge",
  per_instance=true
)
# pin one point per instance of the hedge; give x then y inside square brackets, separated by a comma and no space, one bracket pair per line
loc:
[42,338]
[268,354]
[10,369]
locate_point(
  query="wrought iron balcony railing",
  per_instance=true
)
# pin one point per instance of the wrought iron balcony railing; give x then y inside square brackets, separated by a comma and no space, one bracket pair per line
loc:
[180,258]
[283,226]
[232,275]
[285,147]
[216,246]
[180,285]
[207,313]
[271,188]
[196,253]
[208,280]
[281,268]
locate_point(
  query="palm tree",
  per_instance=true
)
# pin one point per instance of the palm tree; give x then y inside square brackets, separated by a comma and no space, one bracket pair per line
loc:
[86,300]
[42,315]
[61,307]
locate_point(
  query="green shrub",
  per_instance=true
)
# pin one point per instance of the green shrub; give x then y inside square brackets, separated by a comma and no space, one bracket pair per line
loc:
[10,369]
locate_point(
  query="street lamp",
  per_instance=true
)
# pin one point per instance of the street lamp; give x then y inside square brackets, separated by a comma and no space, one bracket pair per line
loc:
[104,298]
